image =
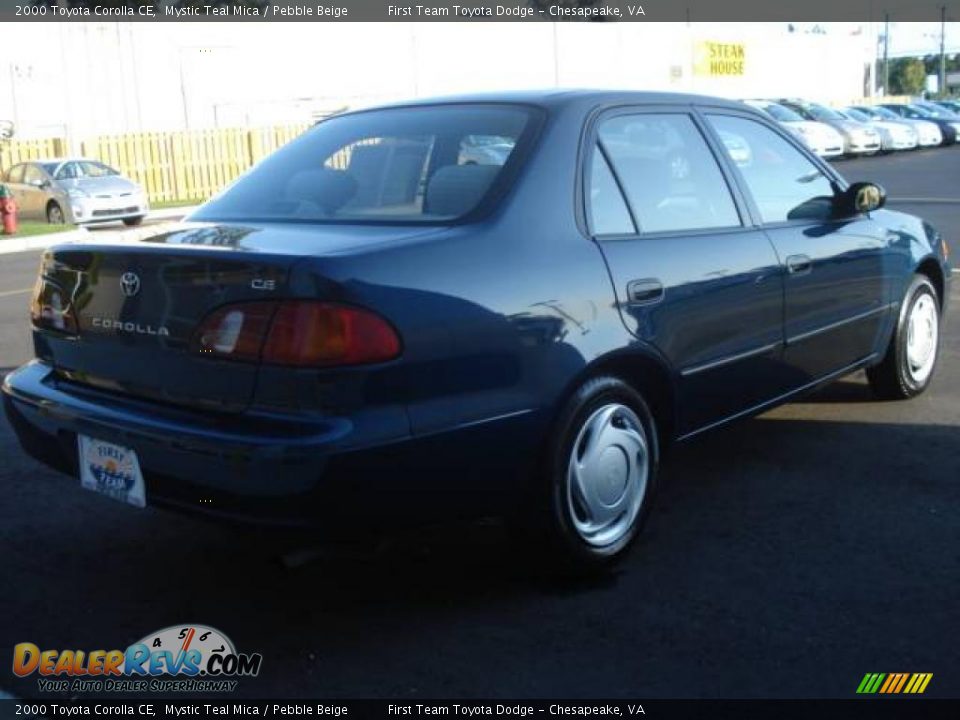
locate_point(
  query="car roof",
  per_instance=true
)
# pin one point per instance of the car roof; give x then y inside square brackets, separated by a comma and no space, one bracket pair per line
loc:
[558,98]
[58,161]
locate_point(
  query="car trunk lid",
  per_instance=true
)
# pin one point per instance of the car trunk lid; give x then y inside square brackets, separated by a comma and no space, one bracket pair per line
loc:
[130,309]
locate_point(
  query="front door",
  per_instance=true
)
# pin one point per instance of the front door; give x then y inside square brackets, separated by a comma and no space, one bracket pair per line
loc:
[692,279]
[838,271]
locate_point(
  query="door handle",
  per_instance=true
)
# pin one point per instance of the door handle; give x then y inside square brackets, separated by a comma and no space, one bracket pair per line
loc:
[648,290]
[799,264]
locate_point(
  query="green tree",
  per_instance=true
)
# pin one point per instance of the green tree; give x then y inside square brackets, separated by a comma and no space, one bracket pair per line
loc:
[908,76]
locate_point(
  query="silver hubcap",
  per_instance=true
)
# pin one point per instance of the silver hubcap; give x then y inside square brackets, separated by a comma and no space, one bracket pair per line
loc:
[607,475]
[923,328]
[56,216]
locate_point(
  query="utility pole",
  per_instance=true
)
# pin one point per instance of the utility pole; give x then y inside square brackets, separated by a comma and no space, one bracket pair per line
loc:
[943,50]
[886,54]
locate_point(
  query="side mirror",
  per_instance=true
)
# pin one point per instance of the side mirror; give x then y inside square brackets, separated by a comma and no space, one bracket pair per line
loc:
[862,197]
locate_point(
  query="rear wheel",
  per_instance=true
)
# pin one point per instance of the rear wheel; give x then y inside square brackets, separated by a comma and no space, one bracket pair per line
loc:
[55,214]
[907,367]
[131,221]
[597,479]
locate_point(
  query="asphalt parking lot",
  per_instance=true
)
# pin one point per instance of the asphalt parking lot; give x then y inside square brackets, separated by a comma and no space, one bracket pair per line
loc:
[788,555]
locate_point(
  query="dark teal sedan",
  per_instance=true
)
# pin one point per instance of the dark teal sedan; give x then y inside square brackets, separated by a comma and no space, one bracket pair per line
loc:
[381,325]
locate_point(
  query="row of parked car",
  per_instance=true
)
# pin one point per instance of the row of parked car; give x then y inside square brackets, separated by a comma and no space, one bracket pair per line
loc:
[866,129]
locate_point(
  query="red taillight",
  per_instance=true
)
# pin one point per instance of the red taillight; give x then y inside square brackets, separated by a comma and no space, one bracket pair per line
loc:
[297,332]
[309,333]
[235,331]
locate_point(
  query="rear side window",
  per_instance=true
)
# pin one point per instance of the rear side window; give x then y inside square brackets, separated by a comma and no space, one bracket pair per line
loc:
[670,177]
[608,210]
[15,174]
[427,164]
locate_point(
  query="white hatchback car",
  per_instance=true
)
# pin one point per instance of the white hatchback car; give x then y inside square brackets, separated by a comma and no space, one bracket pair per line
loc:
[77,191]
[819,137]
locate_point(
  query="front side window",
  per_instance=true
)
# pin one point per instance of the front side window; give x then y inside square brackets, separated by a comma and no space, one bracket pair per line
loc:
[33,175]
[670,177]
[784,183]
[420,164]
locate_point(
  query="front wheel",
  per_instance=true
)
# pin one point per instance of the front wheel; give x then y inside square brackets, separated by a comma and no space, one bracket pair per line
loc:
[133,221]
[55,214]
[597,480]
[907,367]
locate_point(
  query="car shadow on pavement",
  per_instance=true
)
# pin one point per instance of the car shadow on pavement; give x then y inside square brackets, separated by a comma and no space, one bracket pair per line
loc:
[843,391]
[772,537]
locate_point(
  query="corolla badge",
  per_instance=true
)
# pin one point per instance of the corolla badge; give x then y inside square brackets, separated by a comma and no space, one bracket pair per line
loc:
[130,283]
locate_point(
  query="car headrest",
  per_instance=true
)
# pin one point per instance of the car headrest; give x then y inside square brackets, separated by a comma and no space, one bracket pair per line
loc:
[456,189]
[326,187]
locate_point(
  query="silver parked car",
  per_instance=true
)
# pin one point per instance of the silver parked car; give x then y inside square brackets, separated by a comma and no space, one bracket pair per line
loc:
[858,139]
[928,133]
[822,139]
[75,190]
[893,135]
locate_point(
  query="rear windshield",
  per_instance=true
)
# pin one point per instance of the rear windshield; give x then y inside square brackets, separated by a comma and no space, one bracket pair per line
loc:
[406,165]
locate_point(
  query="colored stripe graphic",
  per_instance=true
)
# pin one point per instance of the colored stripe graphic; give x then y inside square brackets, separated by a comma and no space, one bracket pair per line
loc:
[894,683]
[903,681]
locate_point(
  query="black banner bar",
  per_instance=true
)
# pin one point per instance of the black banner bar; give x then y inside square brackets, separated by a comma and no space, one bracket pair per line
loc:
[877,708]
[475,10]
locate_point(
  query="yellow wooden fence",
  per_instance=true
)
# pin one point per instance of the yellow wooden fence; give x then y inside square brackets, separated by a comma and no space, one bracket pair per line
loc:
[172,166]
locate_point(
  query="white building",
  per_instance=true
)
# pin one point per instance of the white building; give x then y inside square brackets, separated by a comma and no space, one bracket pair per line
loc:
[82,79]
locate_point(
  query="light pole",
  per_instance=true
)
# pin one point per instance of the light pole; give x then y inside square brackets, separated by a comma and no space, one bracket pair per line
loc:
[943,50]
[886,54]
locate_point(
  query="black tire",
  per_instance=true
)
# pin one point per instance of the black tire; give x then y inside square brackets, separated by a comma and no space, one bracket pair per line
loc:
[55,214]
[892,378]
[547,526]
[133,221]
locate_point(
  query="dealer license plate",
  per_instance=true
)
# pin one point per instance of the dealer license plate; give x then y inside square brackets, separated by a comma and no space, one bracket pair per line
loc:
[111,470]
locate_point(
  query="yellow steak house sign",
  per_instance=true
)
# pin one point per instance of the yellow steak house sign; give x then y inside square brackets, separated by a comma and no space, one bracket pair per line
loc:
[718,58]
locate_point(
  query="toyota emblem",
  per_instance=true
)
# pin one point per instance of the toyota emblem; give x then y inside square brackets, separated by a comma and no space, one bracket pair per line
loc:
[130,283]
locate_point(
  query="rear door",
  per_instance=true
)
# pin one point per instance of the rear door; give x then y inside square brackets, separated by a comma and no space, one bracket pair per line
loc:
[693,279]
[838,271]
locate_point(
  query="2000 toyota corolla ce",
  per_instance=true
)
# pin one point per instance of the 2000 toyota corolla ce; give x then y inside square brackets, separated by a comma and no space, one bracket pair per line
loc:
[379,324]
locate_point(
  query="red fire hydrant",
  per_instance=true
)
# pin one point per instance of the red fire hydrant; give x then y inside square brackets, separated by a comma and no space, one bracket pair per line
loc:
[8,211]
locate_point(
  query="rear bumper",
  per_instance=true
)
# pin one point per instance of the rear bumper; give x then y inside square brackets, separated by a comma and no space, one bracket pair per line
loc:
[300,471]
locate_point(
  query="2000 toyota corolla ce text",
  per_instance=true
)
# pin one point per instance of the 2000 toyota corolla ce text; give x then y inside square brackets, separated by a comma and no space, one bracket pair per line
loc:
[380,325]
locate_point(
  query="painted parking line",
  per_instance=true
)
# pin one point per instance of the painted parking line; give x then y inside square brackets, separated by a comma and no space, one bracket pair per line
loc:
[926,201]
[9,293]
